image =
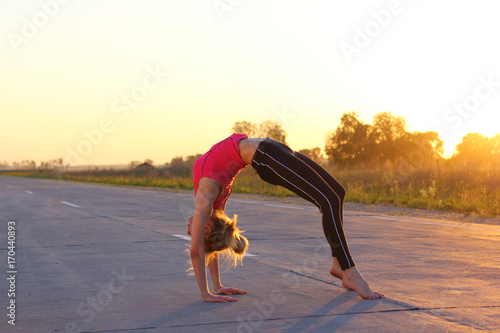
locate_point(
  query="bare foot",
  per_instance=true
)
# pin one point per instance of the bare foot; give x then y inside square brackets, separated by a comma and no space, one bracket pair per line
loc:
[336,270]
[352,279]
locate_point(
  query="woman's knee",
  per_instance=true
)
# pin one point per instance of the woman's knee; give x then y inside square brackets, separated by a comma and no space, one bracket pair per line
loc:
[331,200]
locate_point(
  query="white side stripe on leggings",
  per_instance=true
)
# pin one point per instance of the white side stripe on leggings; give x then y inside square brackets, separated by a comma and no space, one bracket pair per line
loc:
[331,209]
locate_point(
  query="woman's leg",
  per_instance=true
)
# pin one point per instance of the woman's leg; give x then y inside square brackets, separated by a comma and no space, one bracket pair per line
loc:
[336,270]
[278,164]
[332,182]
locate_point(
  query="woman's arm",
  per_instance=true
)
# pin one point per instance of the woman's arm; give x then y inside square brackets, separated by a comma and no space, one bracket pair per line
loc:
[213,265]
[208,191]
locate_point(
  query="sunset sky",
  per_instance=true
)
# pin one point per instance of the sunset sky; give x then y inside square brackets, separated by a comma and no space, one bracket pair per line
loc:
[109,82]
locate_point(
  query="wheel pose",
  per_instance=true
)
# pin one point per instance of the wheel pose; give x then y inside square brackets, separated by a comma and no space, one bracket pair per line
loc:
[212,231]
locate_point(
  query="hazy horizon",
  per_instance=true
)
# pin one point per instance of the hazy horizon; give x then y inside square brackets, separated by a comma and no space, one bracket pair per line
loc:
[116,82]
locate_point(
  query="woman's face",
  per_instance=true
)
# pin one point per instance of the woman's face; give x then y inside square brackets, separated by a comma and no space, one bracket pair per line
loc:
[208,227]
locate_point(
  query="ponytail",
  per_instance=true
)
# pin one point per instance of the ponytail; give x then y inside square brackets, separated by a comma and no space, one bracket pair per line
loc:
[226,238]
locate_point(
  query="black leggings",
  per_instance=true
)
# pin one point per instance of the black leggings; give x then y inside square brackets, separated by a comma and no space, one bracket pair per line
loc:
[277,164]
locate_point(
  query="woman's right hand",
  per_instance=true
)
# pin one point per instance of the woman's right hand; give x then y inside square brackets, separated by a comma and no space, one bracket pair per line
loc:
[219,298]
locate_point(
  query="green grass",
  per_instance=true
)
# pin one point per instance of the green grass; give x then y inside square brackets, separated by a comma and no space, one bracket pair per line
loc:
[453,188]
[105,178]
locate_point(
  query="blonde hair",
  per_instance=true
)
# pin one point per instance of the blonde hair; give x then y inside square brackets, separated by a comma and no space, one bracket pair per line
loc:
[226,238]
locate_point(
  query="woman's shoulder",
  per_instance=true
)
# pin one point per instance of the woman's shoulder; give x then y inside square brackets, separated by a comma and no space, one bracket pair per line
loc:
[208,183]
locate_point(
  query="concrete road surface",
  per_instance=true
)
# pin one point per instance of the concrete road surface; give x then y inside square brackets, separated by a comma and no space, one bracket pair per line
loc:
[92,258]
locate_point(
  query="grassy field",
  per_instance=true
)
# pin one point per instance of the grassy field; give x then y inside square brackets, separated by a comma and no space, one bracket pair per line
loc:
[455,190]
[469,190]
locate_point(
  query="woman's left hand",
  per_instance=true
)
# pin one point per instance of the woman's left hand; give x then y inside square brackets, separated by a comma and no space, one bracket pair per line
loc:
[229,291]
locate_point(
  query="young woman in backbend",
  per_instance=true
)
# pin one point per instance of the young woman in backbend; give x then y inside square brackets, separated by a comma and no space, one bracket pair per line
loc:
[212,231]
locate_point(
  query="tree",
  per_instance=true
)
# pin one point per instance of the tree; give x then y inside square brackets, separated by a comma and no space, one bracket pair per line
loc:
[414,151]
[272,129]
[346,146]
[495,150]
[180,167]
[476,149]
[422,148]
[268,128]
[133,164]
[177,161]
[245,127]
[387,140]
[314,154]
[59,163]
[388,128]
[389,135]
[191,159]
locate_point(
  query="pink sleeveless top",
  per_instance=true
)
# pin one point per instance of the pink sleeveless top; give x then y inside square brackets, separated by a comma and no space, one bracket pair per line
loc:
[221,163]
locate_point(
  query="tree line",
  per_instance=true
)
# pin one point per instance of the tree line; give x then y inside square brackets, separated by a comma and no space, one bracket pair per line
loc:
[352,144]
[355,143]
[30,164]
